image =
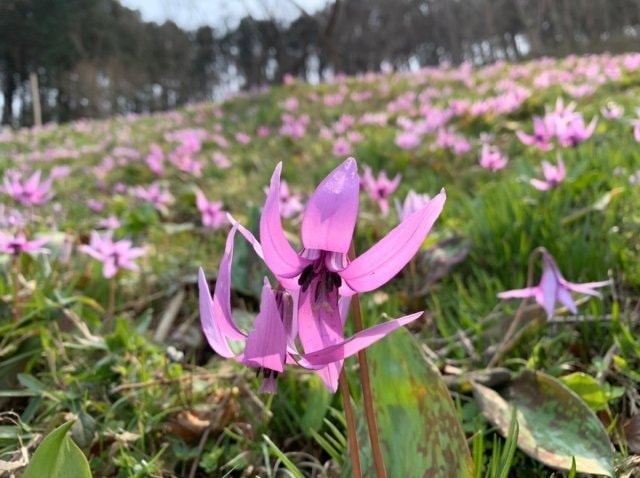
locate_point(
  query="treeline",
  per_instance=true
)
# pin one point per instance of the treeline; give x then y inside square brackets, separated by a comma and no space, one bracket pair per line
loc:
[95,58]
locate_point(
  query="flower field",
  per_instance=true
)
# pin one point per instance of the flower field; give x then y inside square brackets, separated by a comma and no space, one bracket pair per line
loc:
[186,288]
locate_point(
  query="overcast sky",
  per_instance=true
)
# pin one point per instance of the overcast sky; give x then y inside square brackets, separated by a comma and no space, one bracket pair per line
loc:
[191,14]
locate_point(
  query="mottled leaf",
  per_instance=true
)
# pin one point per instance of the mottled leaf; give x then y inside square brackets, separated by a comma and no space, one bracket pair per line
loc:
[555,424]
[419,427]
[58,457]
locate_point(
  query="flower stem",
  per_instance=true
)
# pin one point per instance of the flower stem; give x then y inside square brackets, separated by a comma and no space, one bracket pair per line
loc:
[16,287]
[351,426]
[367,395]
[517,318]
[111,306]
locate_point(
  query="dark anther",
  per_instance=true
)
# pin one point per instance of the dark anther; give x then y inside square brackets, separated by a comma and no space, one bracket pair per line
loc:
[305,278]
[337,280]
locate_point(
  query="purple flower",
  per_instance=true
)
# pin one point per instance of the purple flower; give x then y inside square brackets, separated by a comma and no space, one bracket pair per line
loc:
[28,192]
[491,158]
[114,255]
[18,244]
[154,194]
[290,204]
[572,131]
[379,189]
[321,269]
[412,202]
[612,111]
[553,175]
[543,132]
[341,147]
[320,277]
[408,140]
[211,211]
[553,288]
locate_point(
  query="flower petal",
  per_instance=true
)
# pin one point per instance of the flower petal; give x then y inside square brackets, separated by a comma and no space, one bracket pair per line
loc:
[519,293]
[210,325]
[587,288]
[548,288]
[267,342]
[386,258]
[330,216]
[288,283]
[358,342]
[279,256]
[215,315]
[564,297]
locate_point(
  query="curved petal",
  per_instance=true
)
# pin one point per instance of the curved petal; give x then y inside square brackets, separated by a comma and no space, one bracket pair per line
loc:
[519,293]
[279,256]
[587,288]
[220,312]
[330,216]
[267,342]
[357,342]
[548,290]
[210,326]
[386,258]
[564,297]
[288,283]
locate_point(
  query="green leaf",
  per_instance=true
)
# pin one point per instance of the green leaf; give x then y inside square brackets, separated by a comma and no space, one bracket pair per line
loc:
[420,431]
[288,464]
[587,388]
[58,457]
[555,425]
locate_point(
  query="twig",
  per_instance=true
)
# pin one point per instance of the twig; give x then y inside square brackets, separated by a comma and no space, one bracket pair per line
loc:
[196,462]
[351,425]
[367,395]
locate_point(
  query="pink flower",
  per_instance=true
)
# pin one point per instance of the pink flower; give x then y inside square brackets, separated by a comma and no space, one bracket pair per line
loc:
[572,131]
[612,111]
[110,222]
[491,158]
[221,160]
[18,244]
[290,204]
[155,160]
[553,288]
[636,127]
[263,132]
[95,205]
[408,140]
[114,255]
[341,147]
[316,276]
[28,192]
[154,194]
[379,189]
[412,202]
[291,104]
[243,138]
[543,131]
[553,175]
[211,211]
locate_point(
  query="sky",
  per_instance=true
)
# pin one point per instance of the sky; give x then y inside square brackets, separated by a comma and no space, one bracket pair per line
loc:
[190,14]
